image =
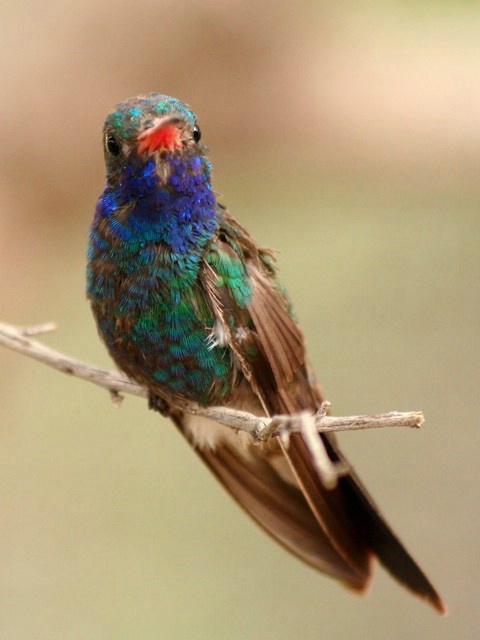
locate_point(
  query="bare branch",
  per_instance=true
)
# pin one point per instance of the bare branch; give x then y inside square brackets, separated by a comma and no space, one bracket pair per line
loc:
[17,339]
[260,428]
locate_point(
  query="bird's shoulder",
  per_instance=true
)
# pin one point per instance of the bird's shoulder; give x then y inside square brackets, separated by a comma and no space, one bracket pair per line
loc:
[256,316]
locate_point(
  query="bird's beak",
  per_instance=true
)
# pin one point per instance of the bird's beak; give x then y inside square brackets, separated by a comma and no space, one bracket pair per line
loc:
[163,134]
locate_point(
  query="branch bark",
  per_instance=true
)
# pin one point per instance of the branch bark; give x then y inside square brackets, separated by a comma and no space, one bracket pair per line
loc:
[260,428]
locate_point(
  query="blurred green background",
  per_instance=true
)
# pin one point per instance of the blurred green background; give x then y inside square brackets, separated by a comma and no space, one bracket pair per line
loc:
[347,136]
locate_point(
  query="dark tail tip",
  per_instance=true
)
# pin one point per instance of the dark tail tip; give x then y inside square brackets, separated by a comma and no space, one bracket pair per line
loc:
[383,542]
[438,603]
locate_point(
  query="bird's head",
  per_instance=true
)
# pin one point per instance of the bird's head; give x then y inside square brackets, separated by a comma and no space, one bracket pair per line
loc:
[158,176]
[150,128]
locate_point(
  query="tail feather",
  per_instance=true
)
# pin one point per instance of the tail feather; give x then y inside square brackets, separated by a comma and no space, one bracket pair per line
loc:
[382,540]
[338,531]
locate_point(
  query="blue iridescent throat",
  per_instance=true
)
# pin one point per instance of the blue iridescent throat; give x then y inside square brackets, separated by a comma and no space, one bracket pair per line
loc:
[180,213]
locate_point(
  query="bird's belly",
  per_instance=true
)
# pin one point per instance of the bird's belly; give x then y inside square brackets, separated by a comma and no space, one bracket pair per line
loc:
[169,351]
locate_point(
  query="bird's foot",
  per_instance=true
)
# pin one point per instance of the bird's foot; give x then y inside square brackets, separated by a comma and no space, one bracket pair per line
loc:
[269,427]
[157,403]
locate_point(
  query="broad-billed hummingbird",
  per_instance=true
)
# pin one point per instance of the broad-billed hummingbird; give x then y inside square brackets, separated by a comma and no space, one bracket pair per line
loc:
[190,307]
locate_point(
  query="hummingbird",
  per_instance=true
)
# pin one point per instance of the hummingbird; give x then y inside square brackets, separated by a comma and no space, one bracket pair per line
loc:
[191,308]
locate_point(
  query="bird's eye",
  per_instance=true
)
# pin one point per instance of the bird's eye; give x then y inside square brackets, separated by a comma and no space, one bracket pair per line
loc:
[112,145]
[196,133]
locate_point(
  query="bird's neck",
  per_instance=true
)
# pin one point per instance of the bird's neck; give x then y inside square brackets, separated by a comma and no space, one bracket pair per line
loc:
[174,206]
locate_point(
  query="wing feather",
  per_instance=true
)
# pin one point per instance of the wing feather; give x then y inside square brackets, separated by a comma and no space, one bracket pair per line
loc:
[280,508]
[338,531]
[279,335]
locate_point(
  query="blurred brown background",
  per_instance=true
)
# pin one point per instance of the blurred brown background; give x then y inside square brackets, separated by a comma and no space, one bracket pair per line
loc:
[347,136]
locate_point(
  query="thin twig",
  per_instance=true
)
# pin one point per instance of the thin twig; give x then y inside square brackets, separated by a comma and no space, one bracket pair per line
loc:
[17,339]
[260,428]
[117,383]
